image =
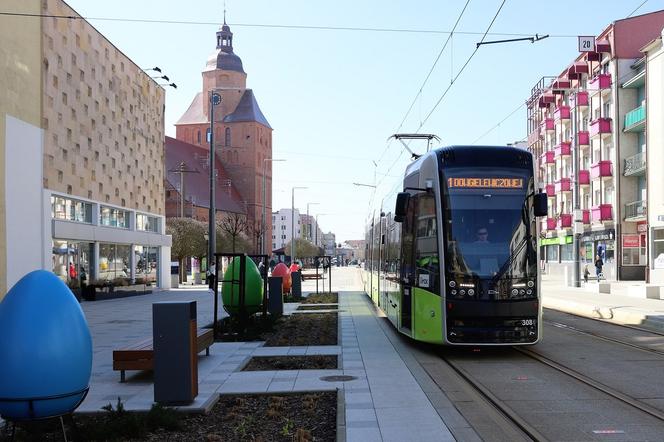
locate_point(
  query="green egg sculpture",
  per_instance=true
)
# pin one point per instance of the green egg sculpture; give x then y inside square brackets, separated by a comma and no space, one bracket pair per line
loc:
[253,294]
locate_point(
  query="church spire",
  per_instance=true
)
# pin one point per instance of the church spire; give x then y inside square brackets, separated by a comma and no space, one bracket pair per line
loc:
[225,36]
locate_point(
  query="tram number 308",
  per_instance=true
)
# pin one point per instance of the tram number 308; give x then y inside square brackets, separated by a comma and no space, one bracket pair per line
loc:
[528,321]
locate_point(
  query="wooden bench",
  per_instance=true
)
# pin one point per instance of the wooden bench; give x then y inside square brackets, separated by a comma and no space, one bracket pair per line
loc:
[140,356]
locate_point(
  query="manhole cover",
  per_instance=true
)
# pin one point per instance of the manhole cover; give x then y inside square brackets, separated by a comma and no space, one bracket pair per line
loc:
[338,378]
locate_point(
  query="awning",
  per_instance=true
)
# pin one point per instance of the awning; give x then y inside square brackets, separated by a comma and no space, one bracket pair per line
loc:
[580,67]
[602,46]
[593,56]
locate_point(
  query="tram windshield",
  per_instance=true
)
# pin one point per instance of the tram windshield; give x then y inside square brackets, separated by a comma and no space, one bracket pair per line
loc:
[488,222]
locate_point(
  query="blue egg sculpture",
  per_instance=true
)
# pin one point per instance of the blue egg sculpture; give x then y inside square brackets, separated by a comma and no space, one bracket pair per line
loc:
[45,349]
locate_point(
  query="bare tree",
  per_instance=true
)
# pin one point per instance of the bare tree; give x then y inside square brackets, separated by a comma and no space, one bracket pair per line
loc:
[255,230]
[234,225]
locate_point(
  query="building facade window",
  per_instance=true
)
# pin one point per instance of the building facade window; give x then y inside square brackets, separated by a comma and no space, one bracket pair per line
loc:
[112,217]
[658,248]
[227,137]
[71,210]
[147,223]
[71,261]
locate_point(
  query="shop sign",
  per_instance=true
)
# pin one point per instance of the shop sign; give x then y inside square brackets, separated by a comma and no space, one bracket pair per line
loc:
[558,240]
[602,235]
[630,241]
[642,227]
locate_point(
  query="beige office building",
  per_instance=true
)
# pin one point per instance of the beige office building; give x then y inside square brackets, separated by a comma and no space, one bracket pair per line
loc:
[85,158]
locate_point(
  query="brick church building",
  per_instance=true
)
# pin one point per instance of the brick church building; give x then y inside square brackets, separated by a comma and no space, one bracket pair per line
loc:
[242,134]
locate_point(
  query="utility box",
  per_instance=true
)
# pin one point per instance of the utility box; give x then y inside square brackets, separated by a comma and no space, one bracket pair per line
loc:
[175,352]
[275,298]
[296,284]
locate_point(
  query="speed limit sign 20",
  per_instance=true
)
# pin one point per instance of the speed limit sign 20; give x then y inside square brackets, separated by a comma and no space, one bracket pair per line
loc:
[586,43]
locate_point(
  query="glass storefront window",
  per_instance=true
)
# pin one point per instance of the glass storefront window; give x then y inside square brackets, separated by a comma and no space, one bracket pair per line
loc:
[552,253]
[567,252]
[71,261]
[112,217]
[147,223]
[113,261]
[70,209]
[147,263]
[658,248]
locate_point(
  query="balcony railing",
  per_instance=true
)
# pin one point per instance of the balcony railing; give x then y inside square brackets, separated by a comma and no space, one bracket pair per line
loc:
[635,165]
[580,99]
[584,177]
[603,212]
[563,149]
[635,120]
[601,169]
[548,124]
[561,113]
[550,190]
[584,138]
[565,221]
[600,81]
[586,216]
[600,126]
[636,209]
[548,157]
[563,185]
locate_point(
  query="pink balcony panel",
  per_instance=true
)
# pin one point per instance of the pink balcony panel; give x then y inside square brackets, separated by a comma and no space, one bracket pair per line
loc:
[584,177]
[550,224]
[602,168]
[600,126]
[583,138]
[548,157]
[603,212]
[548,124]
[586,216]
[600,81]
[563,185]
[565,220]
[561,113]
[580,99]
[564,149]
[550,190]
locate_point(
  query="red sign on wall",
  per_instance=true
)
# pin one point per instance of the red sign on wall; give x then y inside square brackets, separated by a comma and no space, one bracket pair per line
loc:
[630,241]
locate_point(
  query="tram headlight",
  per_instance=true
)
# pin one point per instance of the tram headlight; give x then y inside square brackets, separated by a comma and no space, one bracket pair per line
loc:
[515,293]
[452,284]
[531,284]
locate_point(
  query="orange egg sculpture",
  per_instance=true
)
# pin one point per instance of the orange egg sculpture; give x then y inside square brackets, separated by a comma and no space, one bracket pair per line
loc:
[283,271]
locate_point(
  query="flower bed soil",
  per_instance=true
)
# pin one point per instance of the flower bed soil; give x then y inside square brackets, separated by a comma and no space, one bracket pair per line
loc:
[304,329]
[302,417]
[317,307]
[312,362]
[321,298]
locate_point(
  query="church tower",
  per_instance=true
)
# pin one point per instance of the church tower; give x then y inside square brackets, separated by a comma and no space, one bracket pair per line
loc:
[242,134]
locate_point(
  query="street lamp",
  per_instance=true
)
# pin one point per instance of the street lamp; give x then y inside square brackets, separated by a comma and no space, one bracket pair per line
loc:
[263,218]
[215,100]
[317,215]
[309,221]
[292,247]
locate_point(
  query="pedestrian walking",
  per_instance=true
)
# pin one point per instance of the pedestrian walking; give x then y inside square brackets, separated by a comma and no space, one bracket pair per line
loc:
[586,274]
[598,267]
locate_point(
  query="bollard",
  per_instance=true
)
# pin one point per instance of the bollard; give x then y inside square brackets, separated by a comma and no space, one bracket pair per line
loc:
[296,288]
[275,295]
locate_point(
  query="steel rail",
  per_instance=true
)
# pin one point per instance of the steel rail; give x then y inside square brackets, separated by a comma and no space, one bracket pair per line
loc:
[529,431]
[635,403]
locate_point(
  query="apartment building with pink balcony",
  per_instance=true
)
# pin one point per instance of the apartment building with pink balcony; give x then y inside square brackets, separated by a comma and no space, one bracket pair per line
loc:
[591,118]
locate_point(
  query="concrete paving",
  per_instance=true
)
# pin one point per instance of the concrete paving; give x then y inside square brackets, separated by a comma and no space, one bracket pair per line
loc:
[384,401]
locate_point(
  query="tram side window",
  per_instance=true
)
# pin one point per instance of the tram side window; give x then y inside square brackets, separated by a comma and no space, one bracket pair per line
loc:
[426,244]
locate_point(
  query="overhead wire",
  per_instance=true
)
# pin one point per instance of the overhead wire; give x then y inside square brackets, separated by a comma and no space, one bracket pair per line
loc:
[271,25]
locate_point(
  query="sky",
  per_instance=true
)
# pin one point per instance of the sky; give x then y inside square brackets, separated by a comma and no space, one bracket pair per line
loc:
[334,97]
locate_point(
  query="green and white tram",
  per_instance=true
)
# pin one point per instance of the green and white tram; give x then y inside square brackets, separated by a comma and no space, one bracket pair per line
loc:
[453,257]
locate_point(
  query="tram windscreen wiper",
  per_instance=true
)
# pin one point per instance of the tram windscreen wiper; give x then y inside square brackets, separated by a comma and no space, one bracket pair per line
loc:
[517,250]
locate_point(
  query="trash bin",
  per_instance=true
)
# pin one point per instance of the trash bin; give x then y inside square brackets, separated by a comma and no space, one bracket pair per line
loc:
[275,295]
[174,344]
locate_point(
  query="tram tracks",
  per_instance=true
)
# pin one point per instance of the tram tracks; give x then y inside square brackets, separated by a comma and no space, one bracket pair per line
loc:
[519,424]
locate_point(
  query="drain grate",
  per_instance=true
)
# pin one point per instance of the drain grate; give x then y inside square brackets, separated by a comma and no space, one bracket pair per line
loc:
[338,378]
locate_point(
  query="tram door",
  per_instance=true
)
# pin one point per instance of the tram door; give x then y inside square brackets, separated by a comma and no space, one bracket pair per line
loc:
[407,263]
